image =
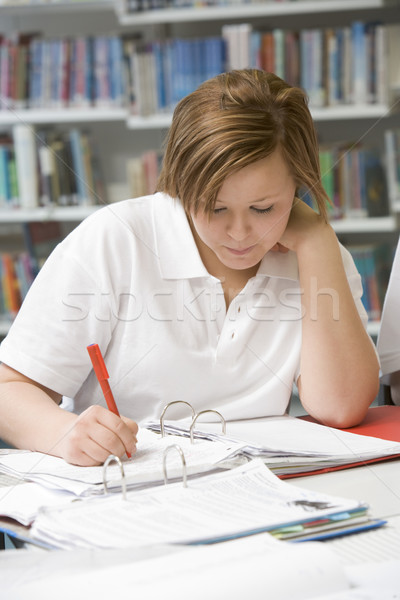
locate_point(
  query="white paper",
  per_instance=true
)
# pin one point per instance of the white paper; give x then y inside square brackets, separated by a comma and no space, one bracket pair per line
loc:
[232,503]
[288,444]
[145,466]
[23,501]
[255,568]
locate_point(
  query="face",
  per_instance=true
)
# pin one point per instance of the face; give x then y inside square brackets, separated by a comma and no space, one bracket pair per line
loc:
[250,215]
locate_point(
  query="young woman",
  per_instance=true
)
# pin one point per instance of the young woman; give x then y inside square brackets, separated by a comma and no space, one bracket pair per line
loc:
[223,289]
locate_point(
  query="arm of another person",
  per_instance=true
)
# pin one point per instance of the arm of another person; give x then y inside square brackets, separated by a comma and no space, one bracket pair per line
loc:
[339,367]
[30,418]
[394,383]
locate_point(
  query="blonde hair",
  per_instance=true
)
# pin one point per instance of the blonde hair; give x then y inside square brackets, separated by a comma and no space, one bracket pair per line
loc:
[233,120]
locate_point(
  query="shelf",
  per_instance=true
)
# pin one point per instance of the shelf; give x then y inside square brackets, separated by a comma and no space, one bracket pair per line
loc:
[355,111]
[245,11]
[59,213]
[163,121]
[329,113]
[26,8]
[365,225]
[160,121]
[61,115]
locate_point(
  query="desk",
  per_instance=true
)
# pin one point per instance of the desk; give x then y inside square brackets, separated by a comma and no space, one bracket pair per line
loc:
[378,485]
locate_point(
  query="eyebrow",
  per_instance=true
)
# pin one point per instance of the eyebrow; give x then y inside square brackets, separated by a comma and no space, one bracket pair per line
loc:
[263,199]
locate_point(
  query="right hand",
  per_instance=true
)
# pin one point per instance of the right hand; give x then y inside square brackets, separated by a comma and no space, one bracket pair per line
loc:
[94,435]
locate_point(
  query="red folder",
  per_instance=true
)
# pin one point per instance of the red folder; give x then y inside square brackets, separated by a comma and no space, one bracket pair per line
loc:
[381,422]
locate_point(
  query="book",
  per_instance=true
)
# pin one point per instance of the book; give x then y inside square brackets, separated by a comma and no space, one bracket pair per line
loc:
[375,184]
[237,568]
[146,469]
[231,504]
[26,165]
[291,446]
[392,161]
[354,177]
[41,237]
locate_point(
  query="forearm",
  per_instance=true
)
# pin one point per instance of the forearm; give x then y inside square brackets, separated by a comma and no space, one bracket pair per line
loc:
[339,368]
[30,418]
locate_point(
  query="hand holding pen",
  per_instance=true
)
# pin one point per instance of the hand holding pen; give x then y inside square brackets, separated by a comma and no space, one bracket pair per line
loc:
[102,375]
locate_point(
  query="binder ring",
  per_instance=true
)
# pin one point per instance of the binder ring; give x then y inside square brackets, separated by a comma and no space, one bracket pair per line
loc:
[166,408]
[202,413]
[109,460]
[166,451]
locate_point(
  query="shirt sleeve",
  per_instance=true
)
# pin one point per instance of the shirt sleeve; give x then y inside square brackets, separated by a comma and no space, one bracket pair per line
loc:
[67,308]
[388,343]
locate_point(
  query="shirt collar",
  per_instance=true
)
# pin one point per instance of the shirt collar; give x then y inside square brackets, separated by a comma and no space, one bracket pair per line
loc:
[177,252]
[179,257]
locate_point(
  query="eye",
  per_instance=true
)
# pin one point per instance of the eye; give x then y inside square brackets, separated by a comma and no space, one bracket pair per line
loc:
[262,211]
[217,211]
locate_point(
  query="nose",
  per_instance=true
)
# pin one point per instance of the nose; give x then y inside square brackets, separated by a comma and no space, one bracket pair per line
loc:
[238,228]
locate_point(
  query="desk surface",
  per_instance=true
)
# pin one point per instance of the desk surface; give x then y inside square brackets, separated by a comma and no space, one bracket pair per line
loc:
[377,484]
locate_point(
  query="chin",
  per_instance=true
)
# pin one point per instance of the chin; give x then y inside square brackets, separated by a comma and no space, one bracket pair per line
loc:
[240,263]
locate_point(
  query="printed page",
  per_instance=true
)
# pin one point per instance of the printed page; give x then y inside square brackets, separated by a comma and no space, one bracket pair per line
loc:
[145,466]
[23,500]
[232,503]
[288,435]
[255,568]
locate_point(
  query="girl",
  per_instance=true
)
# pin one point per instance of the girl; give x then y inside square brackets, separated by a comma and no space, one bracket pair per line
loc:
[222,289]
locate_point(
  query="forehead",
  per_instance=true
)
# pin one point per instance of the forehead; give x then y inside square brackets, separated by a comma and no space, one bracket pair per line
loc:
[264,178]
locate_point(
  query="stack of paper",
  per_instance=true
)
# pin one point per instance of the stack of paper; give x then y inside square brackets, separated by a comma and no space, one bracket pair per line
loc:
[145,468]
[255,567]
[289,445]
[235,503]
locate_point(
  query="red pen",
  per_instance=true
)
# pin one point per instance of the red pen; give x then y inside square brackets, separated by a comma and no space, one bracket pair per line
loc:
[102,375]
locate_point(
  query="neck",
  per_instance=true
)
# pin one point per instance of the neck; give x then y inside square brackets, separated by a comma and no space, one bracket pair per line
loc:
[233,280]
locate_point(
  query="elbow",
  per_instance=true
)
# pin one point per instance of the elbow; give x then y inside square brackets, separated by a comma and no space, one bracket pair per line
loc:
[348,406]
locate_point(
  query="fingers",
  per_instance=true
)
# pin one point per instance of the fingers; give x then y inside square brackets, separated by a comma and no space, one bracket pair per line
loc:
[96,434]
[279,248]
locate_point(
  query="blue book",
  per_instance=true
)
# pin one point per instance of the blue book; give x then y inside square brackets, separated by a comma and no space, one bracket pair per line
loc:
[197,63]
[161,90]
[78,165]
[214,56]
[359,54]
[168,73]
[35,73]
[5,191]
[116,70]
[178,70]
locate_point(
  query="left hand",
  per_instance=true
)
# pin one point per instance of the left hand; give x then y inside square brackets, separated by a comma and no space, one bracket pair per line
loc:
[303,226]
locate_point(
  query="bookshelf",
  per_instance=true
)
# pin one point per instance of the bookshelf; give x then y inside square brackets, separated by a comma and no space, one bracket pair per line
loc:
[119,134]
[62,115]
[247,11]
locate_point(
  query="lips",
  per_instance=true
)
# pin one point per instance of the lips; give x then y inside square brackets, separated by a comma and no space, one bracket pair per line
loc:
[240,251]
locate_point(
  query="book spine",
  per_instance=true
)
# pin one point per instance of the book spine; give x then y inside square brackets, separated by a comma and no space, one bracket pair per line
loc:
[26,164]
[78,165]
[360,72]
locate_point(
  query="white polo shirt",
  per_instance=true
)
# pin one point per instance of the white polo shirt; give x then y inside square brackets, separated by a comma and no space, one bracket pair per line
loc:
[130,278]
[388,343]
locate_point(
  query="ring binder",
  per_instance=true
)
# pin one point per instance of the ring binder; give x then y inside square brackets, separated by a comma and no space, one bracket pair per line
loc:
[166,451]
[166,408]
[202,412]
[110,459]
